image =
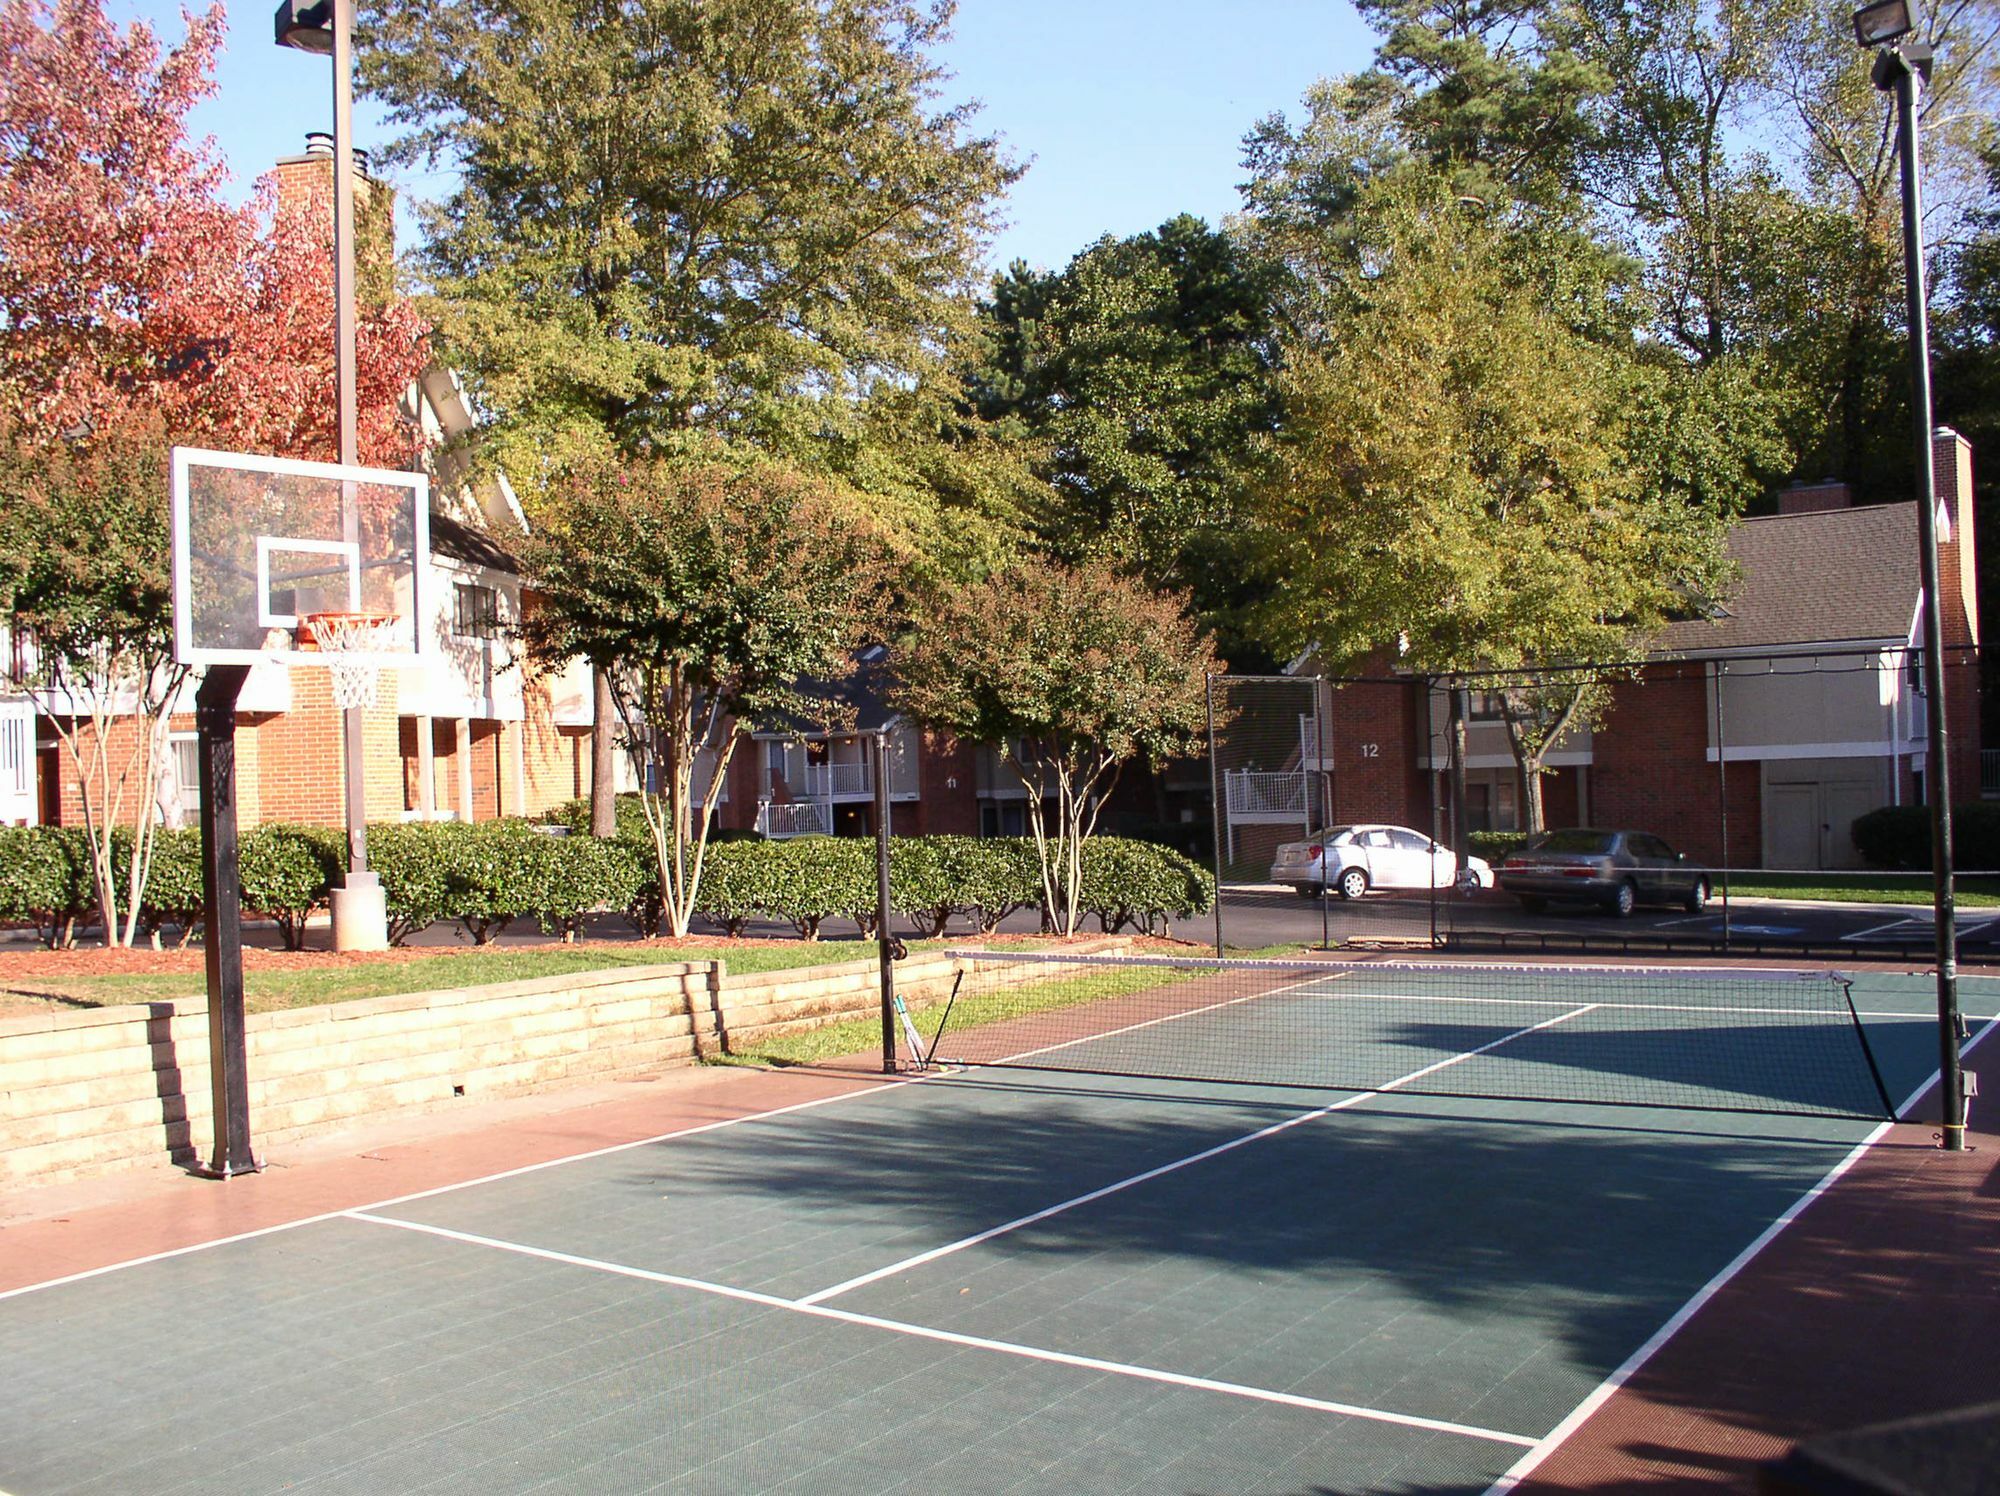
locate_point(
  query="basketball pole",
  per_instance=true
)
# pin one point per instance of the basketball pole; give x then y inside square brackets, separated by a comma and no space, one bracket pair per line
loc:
[360,918]
[222,918]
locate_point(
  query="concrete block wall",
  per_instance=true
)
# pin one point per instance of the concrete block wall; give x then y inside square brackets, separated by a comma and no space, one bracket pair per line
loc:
[97,1091]
[92,1092]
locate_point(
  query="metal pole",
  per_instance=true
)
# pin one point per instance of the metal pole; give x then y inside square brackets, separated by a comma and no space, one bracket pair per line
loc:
[885,951]
[1216,819]
[1429,761]
[1320,693]
[222,918]
[1937,767]
[351,718]
[1722,799]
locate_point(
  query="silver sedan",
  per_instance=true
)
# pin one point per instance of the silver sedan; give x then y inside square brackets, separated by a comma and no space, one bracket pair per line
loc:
[1354,859]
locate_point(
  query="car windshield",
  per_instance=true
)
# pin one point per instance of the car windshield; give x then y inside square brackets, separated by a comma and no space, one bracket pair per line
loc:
[1575,841]
[1339,836]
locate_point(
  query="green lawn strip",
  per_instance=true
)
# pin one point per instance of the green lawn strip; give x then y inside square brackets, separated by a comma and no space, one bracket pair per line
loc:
[271,991]
[1066,987]
[1861,888]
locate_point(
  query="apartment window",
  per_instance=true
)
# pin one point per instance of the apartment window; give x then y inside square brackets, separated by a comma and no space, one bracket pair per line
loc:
[475,612]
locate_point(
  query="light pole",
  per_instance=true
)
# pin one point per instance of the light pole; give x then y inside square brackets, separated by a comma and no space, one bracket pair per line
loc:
[1901,67]
[326,28]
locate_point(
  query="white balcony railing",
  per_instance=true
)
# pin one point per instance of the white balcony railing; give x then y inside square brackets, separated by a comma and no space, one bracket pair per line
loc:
[799,818]
[839,781]
[17,764]
[1250,793]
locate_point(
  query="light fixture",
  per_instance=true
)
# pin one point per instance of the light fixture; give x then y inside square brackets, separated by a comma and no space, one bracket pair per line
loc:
[1886,21]
[306,25]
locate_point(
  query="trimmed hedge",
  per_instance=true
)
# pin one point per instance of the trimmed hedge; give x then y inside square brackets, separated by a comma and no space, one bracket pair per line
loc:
[45,880]
[1899,836]
[484,876]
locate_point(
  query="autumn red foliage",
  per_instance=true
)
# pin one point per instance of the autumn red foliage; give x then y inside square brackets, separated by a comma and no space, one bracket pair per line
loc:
[129,284]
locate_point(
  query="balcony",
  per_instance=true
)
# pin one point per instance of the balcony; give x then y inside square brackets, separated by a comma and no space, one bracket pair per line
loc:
[800,818]
[840,781]
[1255,798]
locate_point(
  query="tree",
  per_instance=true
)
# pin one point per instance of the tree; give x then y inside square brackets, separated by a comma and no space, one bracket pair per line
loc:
[84,580]
[1144,373]
[1469,481]
[1068,673]
[675,219]
[137,310]
[127,284]
[703,593]
[676,216]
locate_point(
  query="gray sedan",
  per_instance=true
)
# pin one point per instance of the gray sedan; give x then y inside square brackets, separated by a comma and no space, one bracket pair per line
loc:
[1618,870]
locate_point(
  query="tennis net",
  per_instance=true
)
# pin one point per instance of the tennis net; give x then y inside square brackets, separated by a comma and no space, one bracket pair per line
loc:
[1701,1038]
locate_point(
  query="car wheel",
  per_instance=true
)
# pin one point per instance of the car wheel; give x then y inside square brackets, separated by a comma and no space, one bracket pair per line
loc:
[1532,905]
[1353,883]
[1309,890]
[1468,882]
[1697,899]
[1623,901]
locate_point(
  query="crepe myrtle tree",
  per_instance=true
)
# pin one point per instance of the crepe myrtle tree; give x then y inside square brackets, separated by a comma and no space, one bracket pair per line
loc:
[1069,673]
[703,591]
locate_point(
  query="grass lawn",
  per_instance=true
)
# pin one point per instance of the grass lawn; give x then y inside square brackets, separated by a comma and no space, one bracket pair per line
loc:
[1059,990]
[1862,888]
[268,990]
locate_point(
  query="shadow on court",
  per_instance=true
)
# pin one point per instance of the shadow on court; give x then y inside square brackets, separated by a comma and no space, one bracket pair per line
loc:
[1501,1228]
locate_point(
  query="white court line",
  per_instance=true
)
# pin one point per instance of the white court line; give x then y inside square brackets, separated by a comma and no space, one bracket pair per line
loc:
[952,1337]
[465,1184]
[1526,1465]
[921,1258]
[1145,1023]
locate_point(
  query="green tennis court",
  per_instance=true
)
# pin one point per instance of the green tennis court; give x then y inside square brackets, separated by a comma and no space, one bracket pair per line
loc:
[1003,1278]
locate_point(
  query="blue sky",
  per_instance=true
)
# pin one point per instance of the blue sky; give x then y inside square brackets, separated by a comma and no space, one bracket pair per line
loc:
[1129,111]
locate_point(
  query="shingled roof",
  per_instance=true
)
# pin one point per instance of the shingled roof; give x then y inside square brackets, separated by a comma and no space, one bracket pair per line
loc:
[1837,576]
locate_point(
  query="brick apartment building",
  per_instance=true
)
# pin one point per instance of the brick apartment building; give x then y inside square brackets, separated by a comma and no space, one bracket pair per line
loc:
[1797,693]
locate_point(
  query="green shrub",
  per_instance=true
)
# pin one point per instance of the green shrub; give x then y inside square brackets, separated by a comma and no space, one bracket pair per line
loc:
[1899,836]
[812,878]
[1975,837]
[173,892]
[414,862]
[1896,836]
[733,875]
[566,878]
[1494,845]
[45,880]
[286,871]
[1141,884]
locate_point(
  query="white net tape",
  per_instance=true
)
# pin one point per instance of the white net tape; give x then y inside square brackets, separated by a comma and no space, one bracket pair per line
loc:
[350,640]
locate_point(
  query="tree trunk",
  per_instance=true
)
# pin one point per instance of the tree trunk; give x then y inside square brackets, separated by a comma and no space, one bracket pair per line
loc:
[603,782]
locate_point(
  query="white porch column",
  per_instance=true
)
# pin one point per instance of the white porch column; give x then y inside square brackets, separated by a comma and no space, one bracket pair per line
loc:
[517,776]
[462,730]
[426,771]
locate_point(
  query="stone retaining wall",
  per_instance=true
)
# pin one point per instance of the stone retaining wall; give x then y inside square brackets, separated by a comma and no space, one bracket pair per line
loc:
[93,1091]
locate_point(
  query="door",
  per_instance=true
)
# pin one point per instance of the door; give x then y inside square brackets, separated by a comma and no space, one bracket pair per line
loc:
[1792,822]
[1846,804]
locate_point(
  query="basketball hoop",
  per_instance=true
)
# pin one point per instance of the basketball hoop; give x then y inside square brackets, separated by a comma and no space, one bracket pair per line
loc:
[353,642]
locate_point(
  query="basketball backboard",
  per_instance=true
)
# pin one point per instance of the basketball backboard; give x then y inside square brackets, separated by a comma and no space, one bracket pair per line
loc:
[261,545]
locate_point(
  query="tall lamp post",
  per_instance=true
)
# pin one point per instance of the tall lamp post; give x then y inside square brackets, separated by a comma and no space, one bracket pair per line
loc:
[325,28]
[1902,66]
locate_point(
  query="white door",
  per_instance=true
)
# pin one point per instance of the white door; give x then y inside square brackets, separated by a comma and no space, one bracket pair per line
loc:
[1791,826]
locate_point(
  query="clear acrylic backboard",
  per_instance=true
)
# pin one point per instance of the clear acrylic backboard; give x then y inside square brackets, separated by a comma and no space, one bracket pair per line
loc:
[263,545]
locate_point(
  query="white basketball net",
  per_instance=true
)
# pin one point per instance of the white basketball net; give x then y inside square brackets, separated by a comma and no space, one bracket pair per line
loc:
[349,640]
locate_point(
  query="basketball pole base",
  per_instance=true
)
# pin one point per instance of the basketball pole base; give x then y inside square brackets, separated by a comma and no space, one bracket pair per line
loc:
[360,914]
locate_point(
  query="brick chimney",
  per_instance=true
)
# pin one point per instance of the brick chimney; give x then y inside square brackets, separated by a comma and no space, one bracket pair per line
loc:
[1811,498]
[307,181]
[1951,456]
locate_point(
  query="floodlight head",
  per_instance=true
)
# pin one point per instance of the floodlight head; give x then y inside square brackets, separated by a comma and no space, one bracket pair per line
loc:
[1884,22]
[306,25]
